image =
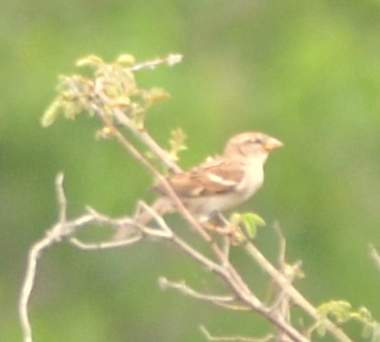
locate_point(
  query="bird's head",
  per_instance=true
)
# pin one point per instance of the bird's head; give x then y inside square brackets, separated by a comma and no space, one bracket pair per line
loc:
[251,144]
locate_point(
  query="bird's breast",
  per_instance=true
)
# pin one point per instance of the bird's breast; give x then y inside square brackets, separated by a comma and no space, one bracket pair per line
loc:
[252,180]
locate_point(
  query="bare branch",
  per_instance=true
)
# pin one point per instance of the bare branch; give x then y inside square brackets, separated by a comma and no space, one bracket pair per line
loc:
[28,284]
[51,237]
[187,290]
[61,198]
[169,60]
[228,302]
[103,245]
[157,218]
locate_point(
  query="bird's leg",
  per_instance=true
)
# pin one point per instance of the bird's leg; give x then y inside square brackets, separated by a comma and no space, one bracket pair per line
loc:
[220,225]
[219,229]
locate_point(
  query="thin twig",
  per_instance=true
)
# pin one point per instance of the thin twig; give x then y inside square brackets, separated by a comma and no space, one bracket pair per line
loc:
[28,284]
[169,60]
[61,198]
[51,237]
[290,272]
[228,302]
[157,218]
[188,291]
[375,255]
[103,245]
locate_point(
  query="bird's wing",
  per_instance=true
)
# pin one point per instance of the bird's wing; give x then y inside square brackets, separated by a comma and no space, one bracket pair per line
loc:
[215,177]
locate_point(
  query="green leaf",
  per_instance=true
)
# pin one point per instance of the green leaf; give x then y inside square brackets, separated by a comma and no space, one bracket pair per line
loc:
[235,219]
[126,59]
[51,113]
[253,219]
[365,314]
[92,60]
[177,142]
[248,222]
[155,95]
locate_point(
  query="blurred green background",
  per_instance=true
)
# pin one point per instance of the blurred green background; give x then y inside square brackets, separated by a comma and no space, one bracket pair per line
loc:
[305,72]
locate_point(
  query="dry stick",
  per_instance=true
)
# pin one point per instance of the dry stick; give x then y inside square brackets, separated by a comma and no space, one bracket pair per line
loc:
[169,60]
[375,255]
[28,283]
[225,301]
[52,236]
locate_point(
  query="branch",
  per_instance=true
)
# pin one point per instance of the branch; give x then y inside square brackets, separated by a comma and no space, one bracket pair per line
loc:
[169,60]
[375,256]
[186,290]
[53,235]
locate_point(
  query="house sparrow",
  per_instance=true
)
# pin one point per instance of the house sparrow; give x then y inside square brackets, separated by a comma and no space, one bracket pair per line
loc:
[219,184]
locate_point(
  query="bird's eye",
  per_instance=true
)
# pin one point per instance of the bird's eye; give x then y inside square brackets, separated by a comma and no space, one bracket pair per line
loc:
[256,141]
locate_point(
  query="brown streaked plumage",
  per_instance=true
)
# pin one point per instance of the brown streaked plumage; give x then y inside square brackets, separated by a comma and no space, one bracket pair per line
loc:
[219,184]
[214,177]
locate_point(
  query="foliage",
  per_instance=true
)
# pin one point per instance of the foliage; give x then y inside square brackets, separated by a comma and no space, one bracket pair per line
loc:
[117,82]
[342,312]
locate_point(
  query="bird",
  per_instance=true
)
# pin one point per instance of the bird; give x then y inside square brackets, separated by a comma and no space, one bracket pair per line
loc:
[219,184]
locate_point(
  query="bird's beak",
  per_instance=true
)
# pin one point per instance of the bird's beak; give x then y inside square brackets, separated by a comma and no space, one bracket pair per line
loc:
[272,143]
